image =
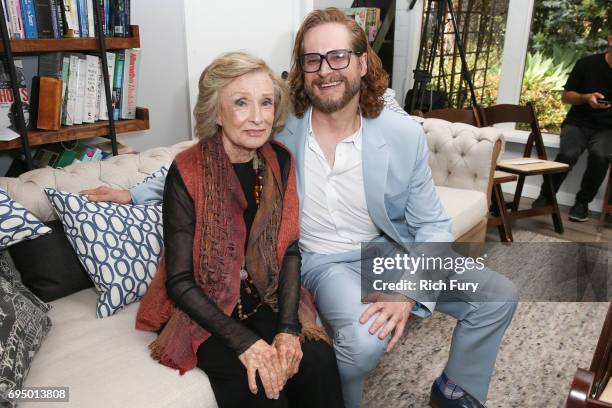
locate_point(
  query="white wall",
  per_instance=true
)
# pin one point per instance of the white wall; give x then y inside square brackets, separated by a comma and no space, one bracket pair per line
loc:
[265,28]
[405,46]
[319,4]
[163,86]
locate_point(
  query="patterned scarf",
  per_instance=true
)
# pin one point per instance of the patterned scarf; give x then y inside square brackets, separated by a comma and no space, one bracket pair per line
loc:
[218,250]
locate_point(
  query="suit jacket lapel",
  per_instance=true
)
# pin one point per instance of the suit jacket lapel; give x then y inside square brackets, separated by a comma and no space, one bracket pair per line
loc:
[375,164]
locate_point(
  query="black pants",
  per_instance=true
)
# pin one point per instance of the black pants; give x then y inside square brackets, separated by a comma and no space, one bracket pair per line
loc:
[317,384]
[574,141]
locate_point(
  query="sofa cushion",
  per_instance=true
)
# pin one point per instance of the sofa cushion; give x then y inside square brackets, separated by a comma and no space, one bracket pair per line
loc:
[466,207]
[106,363]
[16,223]
[55,271]
[119,245]
[23,327]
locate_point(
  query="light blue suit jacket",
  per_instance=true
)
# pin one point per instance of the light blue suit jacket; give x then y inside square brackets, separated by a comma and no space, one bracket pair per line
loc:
[400,193]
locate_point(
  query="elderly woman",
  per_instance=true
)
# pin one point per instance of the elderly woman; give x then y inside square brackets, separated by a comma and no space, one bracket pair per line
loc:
[227,294]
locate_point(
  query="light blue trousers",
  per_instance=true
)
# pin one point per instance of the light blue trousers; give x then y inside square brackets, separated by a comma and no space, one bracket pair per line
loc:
[335,282]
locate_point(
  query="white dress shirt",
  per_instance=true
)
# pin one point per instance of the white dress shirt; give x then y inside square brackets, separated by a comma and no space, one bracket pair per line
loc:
[334,215]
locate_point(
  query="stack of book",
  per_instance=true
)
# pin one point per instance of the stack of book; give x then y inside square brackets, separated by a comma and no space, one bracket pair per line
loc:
[82,98]
[59,155]
[32,19]
[368,19]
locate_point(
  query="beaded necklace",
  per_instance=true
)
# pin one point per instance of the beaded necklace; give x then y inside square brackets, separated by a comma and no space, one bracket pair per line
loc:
[245,280]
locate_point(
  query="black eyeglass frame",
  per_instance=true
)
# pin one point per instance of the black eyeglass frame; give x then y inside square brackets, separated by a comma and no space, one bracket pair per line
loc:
[324,57]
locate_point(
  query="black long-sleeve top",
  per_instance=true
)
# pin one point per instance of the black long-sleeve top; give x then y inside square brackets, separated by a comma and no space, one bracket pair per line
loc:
[179,229]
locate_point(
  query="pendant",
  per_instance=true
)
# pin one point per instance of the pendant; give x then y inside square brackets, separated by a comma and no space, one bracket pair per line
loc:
[243,274]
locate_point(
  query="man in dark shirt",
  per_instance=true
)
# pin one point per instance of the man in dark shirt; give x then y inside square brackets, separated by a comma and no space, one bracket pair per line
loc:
[588,125]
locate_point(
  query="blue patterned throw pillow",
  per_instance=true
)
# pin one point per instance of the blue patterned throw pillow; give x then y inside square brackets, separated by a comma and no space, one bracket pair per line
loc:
[119,245]
[17,223]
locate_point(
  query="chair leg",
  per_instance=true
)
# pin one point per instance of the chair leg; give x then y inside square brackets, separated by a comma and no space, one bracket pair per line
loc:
[550,194]
[504,229]
[605,206]
[517,193]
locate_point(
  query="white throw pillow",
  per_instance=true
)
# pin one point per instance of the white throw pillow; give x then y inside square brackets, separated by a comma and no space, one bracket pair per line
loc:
[119,245]
[17,223]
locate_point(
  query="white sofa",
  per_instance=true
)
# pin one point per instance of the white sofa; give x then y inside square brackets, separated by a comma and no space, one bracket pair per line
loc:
[106,363]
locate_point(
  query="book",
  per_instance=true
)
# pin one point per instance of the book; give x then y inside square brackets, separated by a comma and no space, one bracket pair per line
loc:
[44,20]
[91,89]
[118,82]
[56,21]
[70,18]
[14,15]
[130,83]
[90,18]
[103,110]
[65,75]
[7,108]
[71,92]
[47,155]
[59,18]
[82,16]
[368,18]
[119,29]
[80,96]
[50,64]
[28,12]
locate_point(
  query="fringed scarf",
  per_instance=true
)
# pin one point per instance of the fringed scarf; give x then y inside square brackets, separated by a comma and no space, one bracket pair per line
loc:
[218,250]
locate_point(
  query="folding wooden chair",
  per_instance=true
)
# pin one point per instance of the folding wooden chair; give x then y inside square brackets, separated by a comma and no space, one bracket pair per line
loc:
[468,116]
[526,166]
[606,207]
[592,388]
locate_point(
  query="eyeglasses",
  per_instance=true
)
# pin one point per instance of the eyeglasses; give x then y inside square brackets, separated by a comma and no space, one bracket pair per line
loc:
[336,59]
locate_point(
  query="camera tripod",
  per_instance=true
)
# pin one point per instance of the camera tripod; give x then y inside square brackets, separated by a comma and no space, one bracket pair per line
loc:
[425,63]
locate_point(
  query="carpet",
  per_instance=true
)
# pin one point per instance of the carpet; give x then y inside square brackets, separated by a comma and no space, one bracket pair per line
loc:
[540,352]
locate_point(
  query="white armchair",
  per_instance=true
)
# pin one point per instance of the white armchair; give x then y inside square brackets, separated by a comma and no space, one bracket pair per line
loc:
[462,160]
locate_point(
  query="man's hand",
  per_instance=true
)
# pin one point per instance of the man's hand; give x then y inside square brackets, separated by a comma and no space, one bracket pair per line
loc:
[263,358]
[104,193]
[289,352]
[592,98]
[393,313]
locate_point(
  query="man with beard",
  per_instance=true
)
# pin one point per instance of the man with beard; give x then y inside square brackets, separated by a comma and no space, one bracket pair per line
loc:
[363,175]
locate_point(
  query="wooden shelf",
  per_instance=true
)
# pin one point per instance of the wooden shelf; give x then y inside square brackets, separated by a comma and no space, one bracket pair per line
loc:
[73,44]
[85,131]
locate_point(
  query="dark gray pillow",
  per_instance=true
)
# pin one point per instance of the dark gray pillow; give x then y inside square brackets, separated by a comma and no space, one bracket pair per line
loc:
[23,326]
[49,266]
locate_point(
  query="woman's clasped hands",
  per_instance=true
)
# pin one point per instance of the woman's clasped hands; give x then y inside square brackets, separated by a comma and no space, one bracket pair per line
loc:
[275,363]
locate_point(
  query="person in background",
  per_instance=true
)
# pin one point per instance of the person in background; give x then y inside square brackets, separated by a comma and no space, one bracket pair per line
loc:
[587,126]
[226,297]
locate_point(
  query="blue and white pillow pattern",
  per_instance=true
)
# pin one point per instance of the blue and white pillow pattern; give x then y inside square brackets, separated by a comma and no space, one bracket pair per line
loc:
[119,245]
[17,223]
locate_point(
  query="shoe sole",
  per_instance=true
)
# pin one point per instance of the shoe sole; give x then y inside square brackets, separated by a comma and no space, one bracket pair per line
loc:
[576,219]
[433,404]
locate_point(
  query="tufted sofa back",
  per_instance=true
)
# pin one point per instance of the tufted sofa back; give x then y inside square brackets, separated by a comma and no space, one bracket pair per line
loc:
[461,155]
[121,171]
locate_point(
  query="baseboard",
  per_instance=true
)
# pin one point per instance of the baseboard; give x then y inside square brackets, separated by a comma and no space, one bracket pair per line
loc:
[563,198]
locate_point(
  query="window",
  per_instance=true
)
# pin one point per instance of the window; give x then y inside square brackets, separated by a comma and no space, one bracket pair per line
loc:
[561,32]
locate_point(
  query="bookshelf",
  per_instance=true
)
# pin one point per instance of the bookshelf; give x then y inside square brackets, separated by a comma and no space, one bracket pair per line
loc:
[99,44]
[77,132]
[73,44]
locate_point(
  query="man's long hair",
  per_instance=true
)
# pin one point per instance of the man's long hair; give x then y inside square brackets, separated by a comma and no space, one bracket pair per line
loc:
[373,83]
